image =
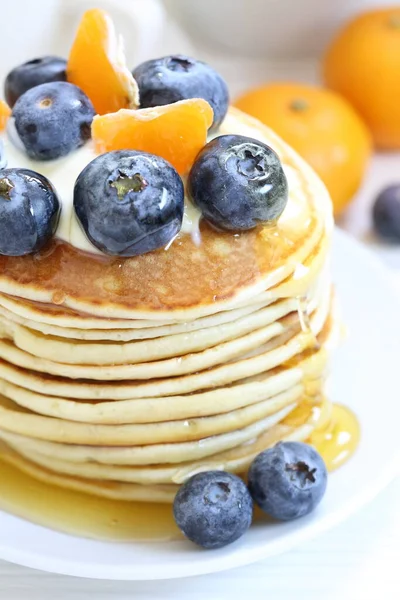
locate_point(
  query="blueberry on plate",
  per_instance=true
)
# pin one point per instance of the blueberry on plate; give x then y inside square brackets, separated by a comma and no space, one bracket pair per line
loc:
[213,509]
[238,182]
[53,119]
[129,202]
[386,214]
[32,73]
[172,78]
[288,480]
[29,211]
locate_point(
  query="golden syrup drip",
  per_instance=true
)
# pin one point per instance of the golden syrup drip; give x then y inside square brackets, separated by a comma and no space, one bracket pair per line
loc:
[302,413]
[337,440]
[304,317]
[305,321]
[337,431]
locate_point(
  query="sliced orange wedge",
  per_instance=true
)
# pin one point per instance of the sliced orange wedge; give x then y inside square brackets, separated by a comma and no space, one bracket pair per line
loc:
[97,64]
[5,112]
[177,132]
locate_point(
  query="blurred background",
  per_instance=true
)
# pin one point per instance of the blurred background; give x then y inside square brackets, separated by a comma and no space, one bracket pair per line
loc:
[347,125]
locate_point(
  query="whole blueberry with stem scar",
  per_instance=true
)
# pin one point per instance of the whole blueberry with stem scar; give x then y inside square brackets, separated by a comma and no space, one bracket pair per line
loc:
[129,202]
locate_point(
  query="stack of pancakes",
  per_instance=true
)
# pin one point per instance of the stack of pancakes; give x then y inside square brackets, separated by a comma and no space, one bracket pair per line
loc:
[124,377]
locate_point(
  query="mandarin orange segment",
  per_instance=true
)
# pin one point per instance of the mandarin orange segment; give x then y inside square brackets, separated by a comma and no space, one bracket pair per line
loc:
[177,132]
[5,112]
[97,64]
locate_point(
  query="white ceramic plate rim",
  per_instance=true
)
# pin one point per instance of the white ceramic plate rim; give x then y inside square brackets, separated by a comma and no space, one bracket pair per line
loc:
[58,553]
[236,558]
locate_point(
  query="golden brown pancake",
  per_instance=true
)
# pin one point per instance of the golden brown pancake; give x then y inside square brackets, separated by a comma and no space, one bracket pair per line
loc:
[186,281]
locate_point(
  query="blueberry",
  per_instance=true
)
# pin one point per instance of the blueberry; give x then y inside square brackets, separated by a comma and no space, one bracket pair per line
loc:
[386,214]
[213,509]
[34,72]
[238,182]
[288,480]
[29,211]
[53,119]
[171,78]
[129,202]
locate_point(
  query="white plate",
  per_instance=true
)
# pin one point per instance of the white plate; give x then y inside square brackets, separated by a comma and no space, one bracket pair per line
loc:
[365,377]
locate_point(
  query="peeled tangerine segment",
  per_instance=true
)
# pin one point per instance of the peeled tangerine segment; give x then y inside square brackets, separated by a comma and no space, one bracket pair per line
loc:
[97,64]
[5,112]
[177,132]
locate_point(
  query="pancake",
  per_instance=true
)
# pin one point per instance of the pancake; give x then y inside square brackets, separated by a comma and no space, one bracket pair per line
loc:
[137,492]
[144,410]
[49,385]
[61,316]
[147,331]
[187,281]
[22,313]
[14,418]
[78,352]
[283,345]
[236,460]
[104,489]
[121,378]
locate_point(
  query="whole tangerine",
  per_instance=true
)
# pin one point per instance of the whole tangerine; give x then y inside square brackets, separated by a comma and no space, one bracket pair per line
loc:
[322,126]
[363,64]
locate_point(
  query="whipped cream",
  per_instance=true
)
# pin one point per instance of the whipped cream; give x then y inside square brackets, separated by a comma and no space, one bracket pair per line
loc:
[63,173]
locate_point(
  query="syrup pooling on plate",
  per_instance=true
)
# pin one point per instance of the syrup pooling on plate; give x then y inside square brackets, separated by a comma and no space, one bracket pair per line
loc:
[82,514]
[337,431]
[335,437]
[337,440]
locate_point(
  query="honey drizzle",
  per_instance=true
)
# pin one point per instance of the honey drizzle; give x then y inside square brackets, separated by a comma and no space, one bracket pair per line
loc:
[335,436]
[305,321]
[337,439]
